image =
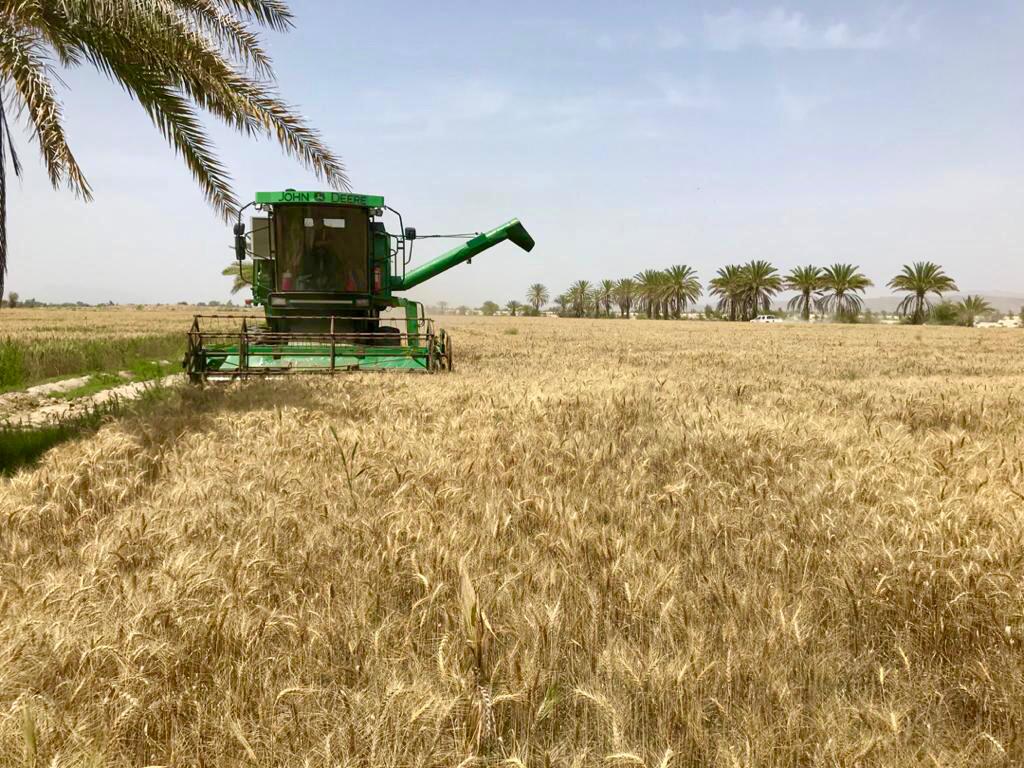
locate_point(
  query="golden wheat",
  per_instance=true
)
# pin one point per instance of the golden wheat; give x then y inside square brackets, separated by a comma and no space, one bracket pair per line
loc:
[42,343]
[597,543]
[48,323]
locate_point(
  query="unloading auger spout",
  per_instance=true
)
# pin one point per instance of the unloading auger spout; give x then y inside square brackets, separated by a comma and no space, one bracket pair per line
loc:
[511,230]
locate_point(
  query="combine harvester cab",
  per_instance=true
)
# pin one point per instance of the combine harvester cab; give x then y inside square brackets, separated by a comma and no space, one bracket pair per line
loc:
[325,269]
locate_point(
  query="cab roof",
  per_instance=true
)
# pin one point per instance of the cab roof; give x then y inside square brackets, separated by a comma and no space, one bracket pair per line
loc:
[320,198]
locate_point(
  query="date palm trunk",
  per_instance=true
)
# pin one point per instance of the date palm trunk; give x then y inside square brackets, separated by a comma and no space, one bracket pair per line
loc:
[3,196]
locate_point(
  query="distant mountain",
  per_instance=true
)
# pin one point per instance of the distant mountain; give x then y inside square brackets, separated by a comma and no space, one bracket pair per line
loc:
[1000,300]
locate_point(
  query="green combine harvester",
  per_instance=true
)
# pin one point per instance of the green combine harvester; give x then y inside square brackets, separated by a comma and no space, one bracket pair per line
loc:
[325,269]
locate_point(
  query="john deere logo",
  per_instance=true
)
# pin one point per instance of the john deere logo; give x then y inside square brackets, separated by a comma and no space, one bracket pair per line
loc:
[329,198]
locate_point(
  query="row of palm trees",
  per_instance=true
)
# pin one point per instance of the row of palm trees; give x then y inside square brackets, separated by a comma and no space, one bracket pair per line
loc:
[744,291]
[659,293]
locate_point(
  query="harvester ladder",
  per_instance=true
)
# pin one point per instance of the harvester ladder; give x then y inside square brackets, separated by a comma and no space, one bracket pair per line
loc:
[243,347]
[333,344]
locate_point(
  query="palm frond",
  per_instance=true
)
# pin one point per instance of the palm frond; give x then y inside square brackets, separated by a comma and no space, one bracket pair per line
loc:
[273,14]
[187,62]
[903,308]
[242,272]
[178,123]
[176,57]
[23,64]
[228,30]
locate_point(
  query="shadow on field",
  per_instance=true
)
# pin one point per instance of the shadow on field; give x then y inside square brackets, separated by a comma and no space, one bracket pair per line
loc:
[179,411]
[157,419]
[24,446]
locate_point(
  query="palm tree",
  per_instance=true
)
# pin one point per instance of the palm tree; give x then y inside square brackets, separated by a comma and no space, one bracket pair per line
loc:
[513,307]
[579,297]
[625,295]
[562,302]
[841,284]
[175,58]
[760,282]
[242,272]
[650,290]
[807,281]
[918,280]
[973,307]
[682,288]
[727,285]
[537,296]
[606,295]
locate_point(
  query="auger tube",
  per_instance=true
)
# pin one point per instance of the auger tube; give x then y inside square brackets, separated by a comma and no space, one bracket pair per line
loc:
[512,230]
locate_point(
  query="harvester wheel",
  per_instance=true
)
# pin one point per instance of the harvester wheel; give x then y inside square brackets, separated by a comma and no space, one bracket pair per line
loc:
[194,376]
[388,336]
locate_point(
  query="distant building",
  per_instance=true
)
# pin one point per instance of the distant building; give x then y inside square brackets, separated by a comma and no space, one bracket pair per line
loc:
[1010,321]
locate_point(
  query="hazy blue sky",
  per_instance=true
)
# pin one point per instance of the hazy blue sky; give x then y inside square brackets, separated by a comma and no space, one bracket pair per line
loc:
[625,136]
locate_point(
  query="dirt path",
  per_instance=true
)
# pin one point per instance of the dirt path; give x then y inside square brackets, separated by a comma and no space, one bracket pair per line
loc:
[36,407]
[29,399]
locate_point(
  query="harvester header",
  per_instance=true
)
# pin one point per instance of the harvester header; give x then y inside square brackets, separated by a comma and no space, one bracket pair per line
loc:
[325,268]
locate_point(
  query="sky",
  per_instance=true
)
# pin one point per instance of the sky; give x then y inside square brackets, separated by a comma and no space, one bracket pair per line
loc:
[624,136]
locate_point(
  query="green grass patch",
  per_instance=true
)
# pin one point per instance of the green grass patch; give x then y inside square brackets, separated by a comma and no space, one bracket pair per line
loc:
[97,383]
[24,363]
[141,370]
[23,446]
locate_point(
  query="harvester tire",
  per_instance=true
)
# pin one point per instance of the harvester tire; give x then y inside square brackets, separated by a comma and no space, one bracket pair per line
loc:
[194,376]
[387,330]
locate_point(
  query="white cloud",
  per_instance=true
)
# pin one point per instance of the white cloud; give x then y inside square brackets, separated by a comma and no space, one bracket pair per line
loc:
[797,107]
[695,93]
[438,109]
[781,29]
[618,41]
[444,109]
[670,39]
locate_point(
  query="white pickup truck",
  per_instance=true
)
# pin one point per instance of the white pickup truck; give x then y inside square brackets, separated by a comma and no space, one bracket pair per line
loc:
[766,319]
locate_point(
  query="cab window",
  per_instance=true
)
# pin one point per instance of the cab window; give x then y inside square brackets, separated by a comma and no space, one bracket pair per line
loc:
[322,248]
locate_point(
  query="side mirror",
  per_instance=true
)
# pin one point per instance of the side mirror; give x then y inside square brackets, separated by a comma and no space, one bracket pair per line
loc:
[410,233]
[240,241]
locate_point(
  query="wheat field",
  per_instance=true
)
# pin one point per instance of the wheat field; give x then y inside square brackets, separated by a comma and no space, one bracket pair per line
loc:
[37,344]
[596,543]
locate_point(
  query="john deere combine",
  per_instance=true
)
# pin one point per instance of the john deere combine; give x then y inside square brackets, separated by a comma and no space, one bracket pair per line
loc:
[325,269]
